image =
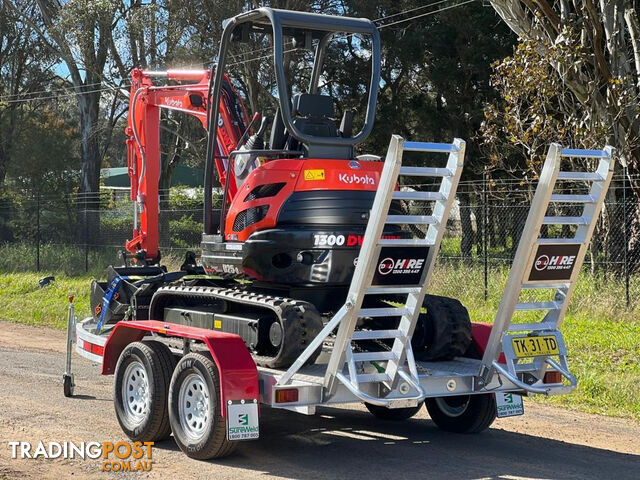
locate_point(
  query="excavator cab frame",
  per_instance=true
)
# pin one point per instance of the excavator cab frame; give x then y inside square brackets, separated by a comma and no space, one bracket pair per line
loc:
[308,29]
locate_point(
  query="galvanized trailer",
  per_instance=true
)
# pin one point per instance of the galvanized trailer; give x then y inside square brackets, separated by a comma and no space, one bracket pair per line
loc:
[219,393]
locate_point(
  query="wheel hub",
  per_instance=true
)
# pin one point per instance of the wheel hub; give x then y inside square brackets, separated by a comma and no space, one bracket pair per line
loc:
[193,401]
[453,406]
[135,392]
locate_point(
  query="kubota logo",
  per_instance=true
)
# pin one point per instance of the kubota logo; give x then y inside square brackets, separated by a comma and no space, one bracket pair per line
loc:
[352,178]
[555,262]
[173,102]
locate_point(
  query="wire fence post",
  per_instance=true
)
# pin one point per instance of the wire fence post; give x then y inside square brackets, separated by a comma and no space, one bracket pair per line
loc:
[38,237]
[626,235]
[86,236]
[485,228]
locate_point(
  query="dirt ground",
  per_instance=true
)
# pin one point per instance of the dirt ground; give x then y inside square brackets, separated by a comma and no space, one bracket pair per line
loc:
[335,443]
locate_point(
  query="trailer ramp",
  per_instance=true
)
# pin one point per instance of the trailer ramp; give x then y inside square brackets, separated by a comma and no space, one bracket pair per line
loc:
[399,267]
[547,262]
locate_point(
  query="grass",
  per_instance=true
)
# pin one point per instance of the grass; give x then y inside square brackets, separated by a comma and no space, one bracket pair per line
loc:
[22,301]
[602,336]
[71,260]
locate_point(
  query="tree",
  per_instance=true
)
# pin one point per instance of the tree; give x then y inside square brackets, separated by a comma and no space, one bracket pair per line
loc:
[585,90]
[601,61]
[25,66]
[77,32]
[435,79]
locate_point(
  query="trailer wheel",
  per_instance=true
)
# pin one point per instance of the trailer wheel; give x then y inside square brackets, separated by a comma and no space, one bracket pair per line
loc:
[463,413]
[140,390]
[195,410]
[393,414]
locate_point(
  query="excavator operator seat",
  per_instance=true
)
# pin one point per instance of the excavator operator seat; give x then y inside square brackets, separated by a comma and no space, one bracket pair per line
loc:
[314,114]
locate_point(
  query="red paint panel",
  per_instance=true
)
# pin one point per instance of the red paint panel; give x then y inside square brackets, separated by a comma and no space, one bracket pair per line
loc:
[238,372]
[261,176]
[339,175]
[480,335]
[298,175]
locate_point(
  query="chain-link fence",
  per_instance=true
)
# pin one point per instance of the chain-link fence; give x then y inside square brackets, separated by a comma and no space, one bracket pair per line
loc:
[47,233]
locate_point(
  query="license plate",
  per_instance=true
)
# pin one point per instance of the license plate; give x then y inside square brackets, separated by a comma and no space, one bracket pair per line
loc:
[535,346]
[509,404]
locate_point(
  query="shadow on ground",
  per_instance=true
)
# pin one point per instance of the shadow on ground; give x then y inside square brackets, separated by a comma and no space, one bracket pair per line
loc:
[339,443]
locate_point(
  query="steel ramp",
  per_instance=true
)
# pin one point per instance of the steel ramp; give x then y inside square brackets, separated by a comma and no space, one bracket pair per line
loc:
[549,264]
[384,267]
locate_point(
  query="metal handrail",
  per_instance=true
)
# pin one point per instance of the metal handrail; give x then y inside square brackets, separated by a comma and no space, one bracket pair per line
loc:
[548,389]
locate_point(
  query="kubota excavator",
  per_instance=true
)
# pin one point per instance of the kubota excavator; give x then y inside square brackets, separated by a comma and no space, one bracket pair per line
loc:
[313,277]
[294,210]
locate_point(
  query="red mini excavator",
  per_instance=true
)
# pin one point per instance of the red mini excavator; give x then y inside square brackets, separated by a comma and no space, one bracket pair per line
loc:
[279,254]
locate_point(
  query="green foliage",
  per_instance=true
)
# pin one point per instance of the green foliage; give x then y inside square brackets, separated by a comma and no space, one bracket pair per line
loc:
[185,232]
[49,164]
[435,75]
[536,108]
[185,198]
[61,259]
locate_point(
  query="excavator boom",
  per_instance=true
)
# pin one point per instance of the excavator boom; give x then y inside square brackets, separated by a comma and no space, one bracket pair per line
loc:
[143,142]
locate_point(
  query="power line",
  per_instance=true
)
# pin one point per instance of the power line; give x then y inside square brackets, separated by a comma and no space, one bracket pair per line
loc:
[262,57]
[411,10]
[2,97]
[426,14]
[70,94]
[375,21]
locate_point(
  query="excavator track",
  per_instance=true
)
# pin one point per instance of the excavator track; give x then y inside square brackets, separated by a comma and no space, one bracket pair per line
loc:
[299,320]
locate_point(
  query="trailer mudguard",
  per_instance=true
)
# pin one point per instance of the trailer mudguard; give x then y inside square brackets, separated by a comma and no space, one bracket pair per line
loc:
[238,372]
[480,332]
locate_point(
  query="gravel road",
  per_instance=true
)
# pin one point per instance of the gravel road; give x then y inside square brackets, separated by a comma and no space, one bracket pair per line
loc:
[336,443]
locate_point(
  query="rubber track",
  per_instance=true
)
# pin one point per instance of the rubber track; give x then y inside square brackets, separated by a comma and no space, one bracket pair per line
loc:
[300,320]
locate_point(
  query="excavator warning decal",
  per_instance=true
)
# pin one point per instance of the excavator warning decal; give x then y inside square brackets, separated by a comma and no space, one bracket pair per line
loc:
[314,174]
[400,266]
[554,262]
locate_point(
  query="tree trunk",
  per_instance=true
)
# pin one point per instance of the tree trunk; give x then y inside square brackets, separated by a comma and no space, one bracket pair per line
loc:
[89,203]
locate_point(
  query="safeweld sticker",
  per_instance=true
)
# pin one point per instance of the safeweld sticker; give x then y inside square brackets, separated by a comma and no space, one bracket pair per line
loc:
[242,420]
[314,174]
[509,404]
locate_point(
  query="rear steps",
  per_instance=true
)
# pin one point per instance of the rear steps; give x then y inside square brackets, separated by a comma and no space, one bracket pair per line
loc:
[546,263]
[389,266]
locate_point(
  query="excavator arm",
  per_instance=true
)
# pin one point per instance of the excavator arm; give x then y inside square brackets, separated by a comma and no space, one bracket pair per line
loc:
[143,142]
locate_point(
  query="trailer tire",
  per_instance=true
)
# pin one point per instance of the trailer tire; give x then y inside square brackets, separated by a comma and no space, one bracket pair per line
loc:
[444,331]
[144,369]
[393,414]
[198,428]
[463,413]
